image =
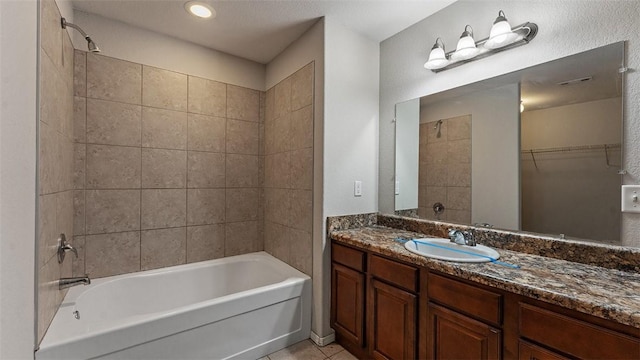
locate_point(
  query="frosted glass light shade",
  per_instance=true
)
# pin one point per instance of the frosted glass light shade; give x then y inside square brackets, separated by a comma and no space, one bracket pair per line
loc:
[501,34]
[437,59]
[466,48]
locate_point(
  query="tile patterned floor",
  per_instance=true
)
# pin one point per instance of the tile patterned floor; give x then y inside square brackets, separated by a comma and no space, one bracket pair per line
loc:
[308,350]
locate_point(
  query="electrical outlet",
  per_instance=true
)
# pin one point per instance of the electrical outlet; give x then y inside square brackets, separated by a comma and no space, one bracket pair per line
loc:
[631,198]
[357,188]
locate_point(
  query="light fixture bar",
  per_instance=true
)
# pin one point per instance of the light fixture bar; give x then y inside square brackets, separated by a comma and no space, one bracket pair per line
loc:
[526,31]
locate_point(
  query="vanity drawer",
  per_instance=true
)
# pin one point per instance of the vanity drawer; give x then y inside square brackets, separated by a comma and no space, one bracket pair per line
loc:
[479,303]
[528,351]
[401,275]
[349,257]
[575,337]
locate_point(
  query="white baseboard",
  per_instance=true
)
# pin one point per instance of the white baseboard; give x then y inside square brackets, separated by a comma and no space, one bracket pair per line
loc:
[322,341]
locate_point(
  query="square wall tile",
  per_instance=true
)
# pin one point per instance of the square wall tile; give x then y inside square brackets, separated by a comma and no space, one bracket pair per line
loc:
[77,267]
[79,119]
[277,205]
[270,105]
[114,79]
[241,238]
[205,170]
[282,133]
[50,31]
[435,194]
[436,153]
[277,172]
[242,170]
[300,250]
[436,175]
[112,211]
[113,123]
[242,204]
[48,167]
[113,167]
[47,228]
[243,103]
[164,89]
[458,216]
[207,97]
[206,133]
[78,212]
[164,129]
[163,208]
[276,240]
[458,198]
[205,206]
[459,151]
[79,163]
[164,168]
[282,98]
[302,169]
[112,254]
[80,73]
[302,87]
[459,128]
[302,128]
[242,137]
[459,175]
[205,242]
[48,294]
[301,213]
[433,130]
[162,248]
[53,92]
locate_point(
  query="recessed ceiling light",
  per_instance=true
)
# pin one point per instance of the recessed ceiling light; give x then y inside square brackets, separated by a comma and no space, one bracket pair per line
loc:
[199,9]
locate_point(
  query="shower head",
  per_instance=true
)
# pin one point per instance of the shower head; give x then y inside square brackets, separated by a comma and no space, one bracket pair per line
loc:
[437,125]
[90,44]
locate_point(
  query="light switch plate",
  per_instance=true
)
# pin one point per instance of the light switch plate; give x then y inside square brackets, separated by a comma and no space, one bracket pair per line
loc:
[357,188]
[631,198]
[397,187]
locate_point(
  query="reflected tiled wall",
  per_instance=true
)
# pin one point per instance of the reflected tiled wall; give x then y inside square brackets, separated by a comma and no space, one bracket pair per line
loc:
[288,179]
[445,169]
[55,208]
[167,167]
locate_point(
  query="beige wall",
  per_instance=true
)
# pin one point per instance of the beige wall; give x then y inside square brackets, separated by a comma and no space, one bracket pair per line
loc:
[167,167]
[445,169]
[55,212]
[288,178]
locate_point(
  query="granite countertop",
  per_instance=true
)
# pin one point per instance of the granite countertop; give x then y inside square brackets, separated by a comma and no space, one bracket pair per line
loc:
[606,293]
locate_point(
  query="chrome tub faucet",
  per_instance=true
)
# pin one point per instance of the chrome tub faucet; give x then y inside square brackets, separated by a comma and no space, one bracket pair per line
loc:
[73,281]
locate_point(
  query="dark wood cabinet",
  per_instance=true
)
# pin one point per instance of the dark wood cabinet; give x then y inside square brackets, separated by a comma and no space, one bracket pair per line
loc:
[454,336]
[392,319]
[347,302]
[387,309]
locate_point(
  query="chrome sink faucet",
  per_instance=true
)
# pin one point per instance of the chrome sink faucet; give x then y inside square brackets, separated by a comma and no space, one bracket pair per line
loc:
[462,237]
[73,281]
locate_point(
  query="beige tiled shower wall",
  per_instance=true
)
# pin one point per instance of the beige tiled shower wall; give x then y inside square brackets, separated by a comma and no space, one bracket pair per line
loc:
[288,179]
[55,208]
[167,167]
[445,169]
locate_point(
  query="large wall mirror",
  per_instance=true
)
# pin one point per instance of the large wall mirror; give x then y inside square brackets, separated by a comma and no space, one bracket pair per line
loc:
[536,150]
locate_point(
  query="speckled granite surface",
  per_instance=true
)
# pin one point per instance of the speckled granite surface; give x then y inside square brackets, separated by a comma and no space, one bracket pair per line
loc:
[603,255]
[606,293]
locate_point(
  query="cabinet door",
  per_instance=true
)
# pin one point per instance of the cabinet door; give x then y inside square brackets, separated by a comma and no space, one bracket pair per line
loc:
[392,319]
[454,336]
[347,303]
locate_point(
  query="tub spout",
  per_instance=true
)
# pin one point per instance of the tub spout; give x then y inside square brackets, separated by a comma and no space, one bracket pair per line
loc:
[73,281]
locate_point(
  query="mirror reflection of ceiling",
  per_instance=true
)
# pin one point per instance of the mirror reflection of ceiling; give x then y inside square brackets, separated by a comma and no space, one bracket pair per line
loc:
[540,85]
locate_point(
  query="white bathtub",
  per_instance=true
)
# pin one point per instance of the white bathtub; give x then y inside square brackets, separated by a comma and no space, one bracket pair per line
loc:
[241,307]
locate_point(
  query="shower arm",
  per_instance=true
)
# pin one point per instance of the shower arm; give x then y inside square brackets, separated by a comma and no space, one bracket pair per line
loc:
[64,24]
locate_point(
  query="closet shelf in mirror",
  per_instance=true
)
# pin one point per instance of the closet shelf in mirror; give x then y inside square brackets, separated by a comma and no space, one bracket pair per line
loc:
[605,147]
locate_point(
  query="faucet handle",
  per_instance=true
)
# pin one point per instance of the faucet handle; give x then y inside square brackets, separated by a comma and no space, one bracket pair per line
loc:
[63,247]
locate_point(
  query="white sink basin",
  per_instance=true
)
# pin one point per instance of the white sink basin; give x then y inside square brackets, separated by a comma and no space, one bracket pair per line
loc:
[444,249]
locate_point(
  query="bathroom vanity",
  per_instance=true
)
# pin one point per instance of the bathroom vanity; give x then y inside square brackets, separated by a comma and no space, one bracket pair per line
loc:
[388,303]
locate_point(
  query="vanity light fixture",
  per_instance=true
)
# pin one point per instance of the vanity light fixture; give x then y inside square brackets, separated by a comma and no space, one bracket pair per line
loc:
[199,9]
[437,57]
[502,37]
[466,48]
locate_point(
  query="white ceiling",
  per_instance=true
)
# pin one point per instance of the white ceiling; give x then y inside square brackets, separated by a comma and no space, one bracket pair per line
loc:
[260,30]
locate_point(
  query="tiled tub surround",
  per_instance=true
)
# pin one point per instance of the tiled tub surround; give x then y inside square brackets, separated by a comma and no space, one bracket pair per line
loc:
[288,170]
[607,293]
[55,160]
[444,173]
[167,167]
